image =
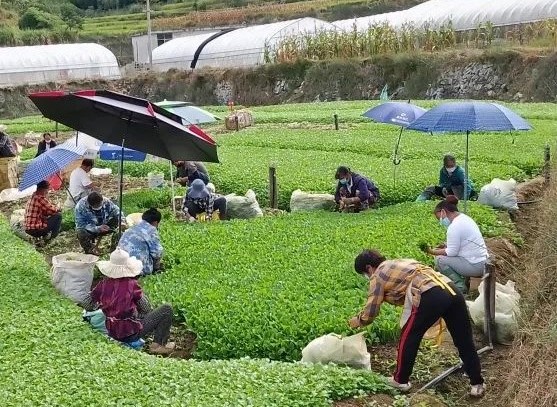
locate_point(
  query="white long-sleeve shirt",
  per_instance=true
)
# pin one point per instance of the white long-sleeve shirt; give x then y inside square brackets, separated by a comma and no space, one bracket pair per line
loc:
[465,240]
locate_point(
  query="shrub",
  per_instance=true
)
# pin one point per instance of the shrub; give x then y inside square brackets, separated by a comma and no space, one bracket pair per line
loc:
[36,19]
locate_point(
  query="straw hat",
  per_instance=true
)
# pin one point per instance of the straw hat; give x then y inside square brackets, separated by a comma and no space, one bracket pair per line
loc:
[121,265]
[198,190]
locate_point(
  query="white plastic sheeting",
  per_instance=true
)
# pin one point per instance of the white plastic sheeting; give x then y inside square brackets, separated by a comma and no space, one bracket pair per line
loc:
[54,63]
[464,14]
[178,53]
[239,48]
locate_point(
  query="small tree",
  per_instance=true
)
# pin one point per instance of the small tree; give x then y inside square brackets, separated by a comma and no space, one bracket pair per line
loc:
[35,19]
[71,16]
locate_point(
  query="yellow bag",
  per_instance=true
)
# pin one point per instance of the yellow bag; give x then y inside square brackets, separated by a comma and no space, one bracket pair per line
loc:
[436,332]
[202,217]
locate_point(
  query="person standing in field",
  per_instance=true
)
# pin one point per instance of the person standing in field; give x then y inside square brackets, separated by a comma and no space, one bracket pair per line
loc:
[428,296]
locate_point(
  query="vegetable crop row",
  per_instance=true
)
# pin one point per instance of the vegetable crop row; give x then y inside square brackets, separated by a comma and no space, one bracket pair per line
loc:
[51,358]
[267,287]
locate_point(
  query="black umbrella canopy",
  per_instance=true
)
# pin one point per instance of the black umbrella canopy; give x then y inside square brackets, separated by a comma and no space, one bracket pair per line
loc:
[120,119]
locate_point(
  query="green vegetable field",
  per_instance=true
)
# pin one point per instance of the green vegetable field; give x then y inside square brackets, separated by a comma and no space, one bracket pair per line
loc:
[51,358]
[267,287]
[255,292]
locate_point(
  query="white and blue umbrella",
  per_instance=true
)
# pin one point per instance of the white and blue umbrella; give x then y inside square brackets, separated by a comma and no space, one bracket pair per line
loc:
[399,114]
[467,117]
[49,163]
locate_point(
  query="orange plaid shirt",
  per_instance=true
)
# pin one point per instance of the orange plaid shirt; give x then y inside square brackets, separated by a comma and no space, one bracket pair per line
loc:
[37,211]
[390,282]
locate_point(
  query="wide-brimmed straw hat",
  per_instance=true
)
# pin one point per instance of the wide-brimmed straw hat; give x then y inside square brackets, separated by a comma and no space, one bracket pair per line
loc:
[198,190]
[121,265]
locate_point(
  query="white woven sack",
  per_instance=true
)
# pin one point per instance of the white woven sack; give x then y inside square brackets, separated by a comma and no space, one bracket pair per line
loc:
[243,207]
[72,274]
[499,194]
[333,348]
[506,311]
[303,201]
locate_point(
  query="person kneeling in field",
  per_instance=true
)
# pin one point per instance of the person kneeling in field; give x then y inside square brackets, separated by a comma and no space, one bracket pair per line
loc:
[354,191]
[95,217]
[143,241]
[430,296]
[42,218]
[199,199]
[451,182]
[129,315]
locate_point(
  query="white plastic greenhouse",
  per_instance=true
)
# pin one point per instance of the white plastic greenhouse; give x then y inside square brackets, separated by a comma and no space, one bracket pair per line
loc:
[178,53]
[238,48]
[51,63]
[464,14]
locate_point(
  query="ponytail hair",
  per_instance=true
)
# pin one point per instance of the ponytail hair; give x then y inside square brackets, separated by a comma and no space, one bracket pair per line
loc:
[449,204]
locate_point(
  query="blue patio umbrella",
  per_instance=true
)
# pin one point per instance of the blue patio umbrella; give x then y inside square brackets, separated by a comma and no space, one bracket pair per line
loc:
[397,113]
[467,117]
[49,163]
[113,152]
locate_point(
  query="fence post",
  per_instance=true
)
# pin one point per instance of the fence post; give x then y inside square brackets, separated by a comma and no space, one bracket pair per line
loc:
[547,164]
[335,117]
[237,123]
[273,191]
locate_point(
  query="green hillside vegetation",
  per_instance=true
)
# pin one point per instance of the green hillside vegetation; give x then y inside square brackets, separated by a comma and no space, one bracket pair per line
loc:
[27,22]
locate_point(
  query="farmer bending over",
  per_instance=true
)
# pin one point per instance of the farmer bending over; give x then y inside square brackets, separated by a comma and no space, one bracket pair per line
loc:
[42,218]
[95,217]
[354,191]
[129,315]
[430,296]
[143,241]
[189,171]
[451,182]
[199,199]
[465,253]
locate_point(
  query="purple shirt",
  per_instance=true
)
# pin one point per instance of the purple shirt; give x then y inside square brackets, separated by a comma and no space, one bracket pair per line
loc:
[118,298]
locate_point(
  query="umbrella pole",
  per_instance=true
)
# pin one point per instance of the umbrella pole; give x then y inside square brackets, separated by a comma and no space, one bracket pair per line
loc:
[66,188]
[172,187]
[121,187]
[466,192]
[396,161]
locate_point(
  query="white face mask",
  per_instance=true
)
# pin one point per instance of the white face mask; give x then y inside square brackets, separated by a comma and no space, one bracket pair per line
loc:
[450,170]
[97,209]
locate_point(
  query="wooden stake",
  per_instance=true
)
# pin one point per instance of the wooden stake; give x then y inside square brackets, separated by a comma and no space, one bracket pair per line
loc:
[273,191]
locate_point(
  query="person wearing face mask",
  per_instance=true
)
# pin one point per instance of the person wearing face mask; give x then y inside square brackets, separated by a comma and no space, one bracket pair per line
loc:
[452,181]
[354,190]
[428,296]
[143,242]
[465,253]
[96,217]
